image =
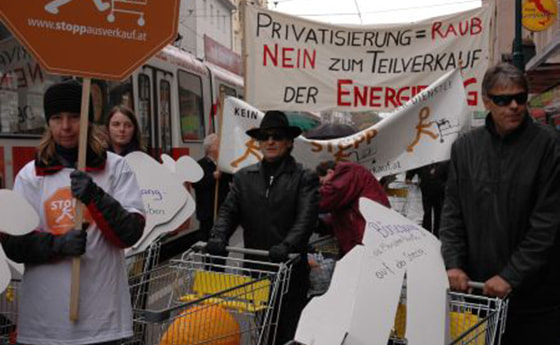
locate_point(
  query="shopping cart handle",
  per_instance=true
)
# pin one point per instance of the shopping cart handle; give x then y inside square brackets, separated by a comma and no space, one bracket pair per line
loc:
[256,252]
[476,285]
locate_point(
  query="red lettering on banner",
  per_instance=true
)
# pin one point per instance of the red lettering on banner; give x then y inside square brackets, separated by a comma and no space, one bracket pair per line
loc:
[288,57]
[351,95]
[471,26]
[341,92]
[472,96]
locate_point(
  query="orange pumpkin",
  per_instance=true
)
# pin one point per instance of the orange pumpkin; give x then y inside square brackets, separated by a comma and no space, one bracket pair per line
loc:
[208,324]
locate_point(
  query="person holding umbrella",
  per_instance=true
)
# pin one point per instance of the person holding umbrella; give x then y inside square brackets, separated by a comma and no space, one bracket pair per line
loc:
[114,219]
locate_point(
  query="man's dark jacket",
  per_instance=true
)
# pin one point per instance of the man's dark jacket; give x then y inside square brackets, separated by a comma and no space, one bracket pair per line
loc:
[206,189]
[502,211]
[283,211]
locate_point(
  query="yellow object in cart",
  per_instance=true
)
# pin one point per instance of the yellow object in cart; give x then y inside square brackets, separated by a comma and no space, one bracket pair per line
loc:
[251,297]
[461,322]
[203,324]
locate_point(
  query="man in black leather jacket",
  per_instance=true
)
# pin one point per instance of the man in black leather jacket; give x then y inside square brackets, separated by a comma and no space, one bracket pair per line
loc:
[501,214]
[276,202]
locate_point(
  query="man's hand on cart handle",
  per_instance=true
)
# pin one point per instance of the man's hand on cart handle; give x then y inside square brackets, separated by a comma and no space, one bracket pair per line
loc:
[216,246]
[257,252]
[458,280]
[496,287]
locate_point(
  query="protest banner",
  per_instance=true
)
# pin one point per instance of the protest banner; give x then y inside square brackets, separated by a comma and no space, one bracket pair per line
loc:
[418,133]
[297,64]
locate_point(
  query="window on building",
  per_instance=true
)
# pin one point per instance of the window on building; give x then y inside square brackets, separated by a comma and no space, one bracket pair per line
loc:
[212,14]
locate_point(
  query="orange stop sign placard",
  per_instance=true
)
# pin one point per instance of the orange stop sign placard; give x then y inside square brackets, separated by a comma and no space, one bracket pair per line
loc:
[105,39]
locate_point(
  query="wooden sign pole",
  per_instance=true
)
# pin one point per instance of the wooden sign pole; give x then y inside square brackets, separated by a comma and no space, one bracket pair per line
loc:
[220,120]
[82,154]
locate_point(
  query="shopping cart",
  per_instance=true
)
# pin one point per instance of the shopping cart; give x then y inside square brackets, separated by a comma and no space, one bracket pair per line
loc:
[323,253]
[473,319]
[398,194]
[125,9]
[204,299]
[8,313]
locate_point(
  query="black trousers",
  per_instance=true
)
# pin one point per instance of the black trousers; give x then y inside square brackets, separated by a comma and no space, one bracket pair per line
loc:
[432,205]
[541,328]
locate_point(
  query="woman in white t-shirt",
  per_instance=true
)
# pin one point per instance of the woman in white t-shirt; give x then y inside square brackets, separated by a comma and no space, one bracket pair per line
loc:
[114,218]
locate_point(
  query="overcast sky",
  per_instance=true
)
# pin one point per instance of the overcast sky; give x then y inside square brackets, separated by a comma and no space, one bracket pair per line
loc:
[371,11]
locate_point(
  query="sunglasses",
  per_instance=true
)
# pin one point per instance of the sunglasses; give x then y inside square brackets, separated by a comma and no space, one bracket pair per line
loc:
[274,136]
[504,100]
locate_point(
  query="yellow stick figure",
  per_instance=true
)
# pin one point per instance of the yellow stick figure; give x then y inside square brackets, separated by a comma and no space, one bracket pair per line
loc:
[421,128]
[252,149]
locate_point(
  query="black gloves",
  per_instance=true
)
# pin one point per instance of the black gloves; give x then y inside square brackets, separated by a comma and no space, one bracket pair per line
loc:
[72,243]
[217,246]
[82,186]
[279,252]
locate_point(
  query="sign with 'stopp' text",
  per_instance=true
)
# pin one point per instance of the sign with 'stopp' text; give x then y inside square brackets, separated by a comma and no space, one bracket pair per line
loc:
[300,65]
[416,134]
[102,39]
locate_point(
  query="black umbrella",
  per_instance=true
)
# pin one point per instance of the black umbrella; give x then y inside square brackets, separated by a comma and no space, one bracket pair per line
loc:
[329,130]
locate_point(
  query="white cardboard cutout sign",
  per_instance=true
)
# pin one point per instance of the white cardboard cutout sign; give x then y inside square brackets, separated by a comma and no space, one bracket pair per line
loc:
[167,202]
[186,169]
[163,195]
[17,217]
[360,305]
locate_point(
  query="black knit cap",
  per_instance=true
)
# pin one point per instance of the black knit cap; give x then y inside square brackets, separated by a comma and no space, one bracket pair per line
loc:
[65,96]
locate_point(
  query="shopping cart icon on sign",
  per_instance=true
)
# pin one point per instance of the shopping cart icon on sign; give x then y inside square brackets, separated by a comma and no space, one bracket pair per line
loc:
[125,7]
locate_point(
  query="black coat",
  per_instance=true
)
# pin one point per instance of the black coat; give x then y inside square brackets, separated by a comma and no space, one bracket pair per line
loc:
[432,178]
[206,189]
[502,211]
[285,211]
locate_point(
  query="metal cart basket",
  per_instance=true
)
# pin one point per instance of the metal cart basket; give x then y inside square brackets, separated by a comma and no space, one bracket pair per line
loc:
[398,195]
[204,299]
[8,313]
[473,319]
[323,253]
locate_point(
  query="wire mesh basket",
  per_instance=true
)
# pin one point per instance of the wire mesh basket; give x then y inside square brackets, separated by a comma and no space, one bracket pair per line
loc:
[204,299]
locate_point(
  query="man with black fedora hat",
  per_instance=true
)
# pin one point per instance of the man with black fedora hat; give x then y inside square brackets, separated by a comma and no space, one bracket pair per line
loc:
[276,201]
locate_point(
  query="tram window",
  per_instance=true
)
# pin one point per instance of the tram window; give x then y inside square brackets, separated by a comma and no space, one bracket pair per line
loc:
[190,106]
[227,90]
[165,115]
[144,108]
[120,93]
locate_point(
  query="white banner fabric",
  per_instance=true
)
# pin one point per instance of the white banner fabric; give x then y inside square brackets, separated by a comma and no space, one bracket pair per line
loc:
[295,64]
[418,133]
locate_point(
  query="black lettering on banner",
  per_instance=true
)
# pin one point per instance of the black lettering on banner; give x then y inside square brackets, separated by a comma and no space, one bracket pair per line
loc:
[242,112]
[346,65]
[444,61]
[301,94]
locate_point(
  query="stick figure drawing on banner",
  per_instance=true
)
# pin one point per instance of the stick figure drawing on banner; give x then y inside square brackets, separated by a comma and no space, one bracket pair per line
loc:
[252,149]
[53,6]
[421,128]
